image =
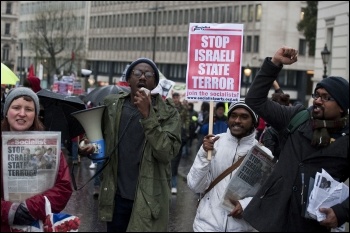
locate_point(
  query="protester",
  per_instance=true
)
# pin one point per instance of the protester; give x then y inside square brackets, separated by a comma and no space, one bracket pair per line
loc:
[270,136]
[185,121]
[21,110]
[219,121]
[226,149]
[193,115]
[260,129]
[32,82]
[322,142]
[135,185]
[203,118]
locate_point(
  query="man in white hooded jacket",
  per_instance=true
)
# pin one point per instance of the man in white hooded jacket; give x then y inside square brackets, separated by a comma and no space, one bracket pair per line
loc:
[226,149]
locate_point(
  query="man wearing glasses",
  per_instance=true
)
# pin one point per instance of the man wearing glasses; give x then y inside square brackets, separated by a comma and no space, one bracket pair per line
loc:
[142,133]
[322,142]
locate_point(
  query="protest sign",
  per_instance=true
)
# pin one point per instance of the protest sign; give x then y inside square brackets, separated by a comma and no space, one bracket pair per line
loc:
[214,62]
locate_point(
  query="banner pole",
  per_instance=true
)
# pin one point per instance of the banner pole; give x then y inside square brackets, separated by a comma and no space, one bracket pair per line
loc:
[211,117]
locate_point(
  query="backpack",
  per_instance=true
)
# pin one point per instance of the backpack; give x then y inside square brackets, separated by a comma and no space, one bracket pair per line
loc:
[281,137]
[294,124]
[297,120]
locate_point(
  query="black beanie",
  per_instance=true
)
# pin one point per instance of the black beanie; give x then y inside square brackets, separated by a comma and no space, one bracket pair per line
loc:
[220,105]
[338,88]
[242,104]
[143,60]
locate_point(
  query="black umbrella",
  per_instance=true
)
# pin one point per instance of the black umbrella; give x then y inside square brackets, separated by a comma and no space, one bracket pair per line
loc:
[97,95]
[57,114]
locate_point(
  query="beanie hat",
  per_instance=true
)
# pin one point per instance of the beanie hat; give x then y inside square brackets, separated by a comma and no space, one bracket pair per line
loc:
[220,105]
[175,94]
[143,60]
[21,91]
[338,88]
[241,104]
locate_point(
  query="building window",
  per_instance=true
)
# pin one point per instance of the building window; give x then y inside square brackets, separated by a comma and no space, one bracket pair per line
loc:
[173,44]
[184,44]
[163,17]
[302,13]
[210,15]
[244,15]
[178,44]
[9,8]
[181,17]
[186,17]
[222,14]
[256,44]
[302,47]
[258,12]
[236,14]
[248,46]
[204,15]
[7,28]
[192,15]
[216,14]
[250,13]
[198,15]
[229,14]
[175,18]
[5,52]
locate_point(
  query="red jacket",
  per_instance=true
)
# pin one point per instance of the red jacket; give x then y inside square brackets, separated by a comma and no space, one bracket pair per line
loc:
[58,195]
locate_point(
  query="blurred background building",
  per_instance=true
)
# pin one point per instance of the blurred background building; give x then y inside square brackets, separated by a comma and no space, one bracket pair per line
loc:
[105,36]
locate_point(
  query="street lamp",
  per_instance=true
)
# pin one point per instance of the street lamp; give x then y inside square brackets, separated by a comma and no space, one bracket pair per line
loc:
[325,54]
[21,80]
[85,73]
[247,72]
[156,8]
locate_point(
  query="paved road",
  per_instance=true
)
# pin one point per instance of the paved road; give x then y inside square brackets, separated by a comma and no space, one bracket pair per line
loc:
[83,205]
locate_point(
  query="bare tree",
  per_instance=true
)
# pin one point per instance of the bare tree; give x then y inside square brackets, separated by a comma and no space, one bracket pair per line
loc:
[56,36]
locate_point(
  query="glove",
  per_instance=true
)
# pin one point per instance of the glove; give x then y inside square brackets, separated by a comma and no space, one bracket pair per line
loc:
[22,216]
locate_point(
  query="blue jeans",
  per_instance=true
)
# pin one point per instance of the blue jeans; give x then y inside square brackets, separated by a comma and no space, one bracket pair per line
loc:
[121,215]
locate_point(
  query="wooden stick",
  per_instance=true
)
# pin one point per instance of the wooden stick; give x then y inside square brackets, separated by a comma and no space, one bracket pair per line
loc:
[211,117]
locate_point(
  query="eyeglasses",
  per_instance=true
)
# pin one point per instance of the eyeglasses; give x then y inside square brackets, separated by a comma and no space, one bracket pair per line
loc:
[324,98]
[139,73]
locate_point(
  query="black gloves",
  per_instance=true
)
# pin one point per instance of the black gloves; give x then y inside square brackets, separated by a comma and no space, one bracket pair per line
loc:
[22,216]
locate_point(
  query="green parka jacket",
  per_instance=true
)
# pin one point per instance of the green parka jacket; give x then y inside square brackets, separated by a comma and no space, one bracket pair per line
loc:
[162,131]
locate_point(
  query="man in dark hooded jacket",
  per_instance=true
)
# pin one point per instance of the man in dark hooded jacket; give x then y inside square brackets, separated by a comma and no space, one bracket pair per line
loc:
[322,142]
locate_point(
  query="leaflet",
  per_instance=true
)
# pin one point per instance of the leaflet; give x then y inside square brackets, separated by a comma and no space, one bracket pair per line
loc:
[326,193]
